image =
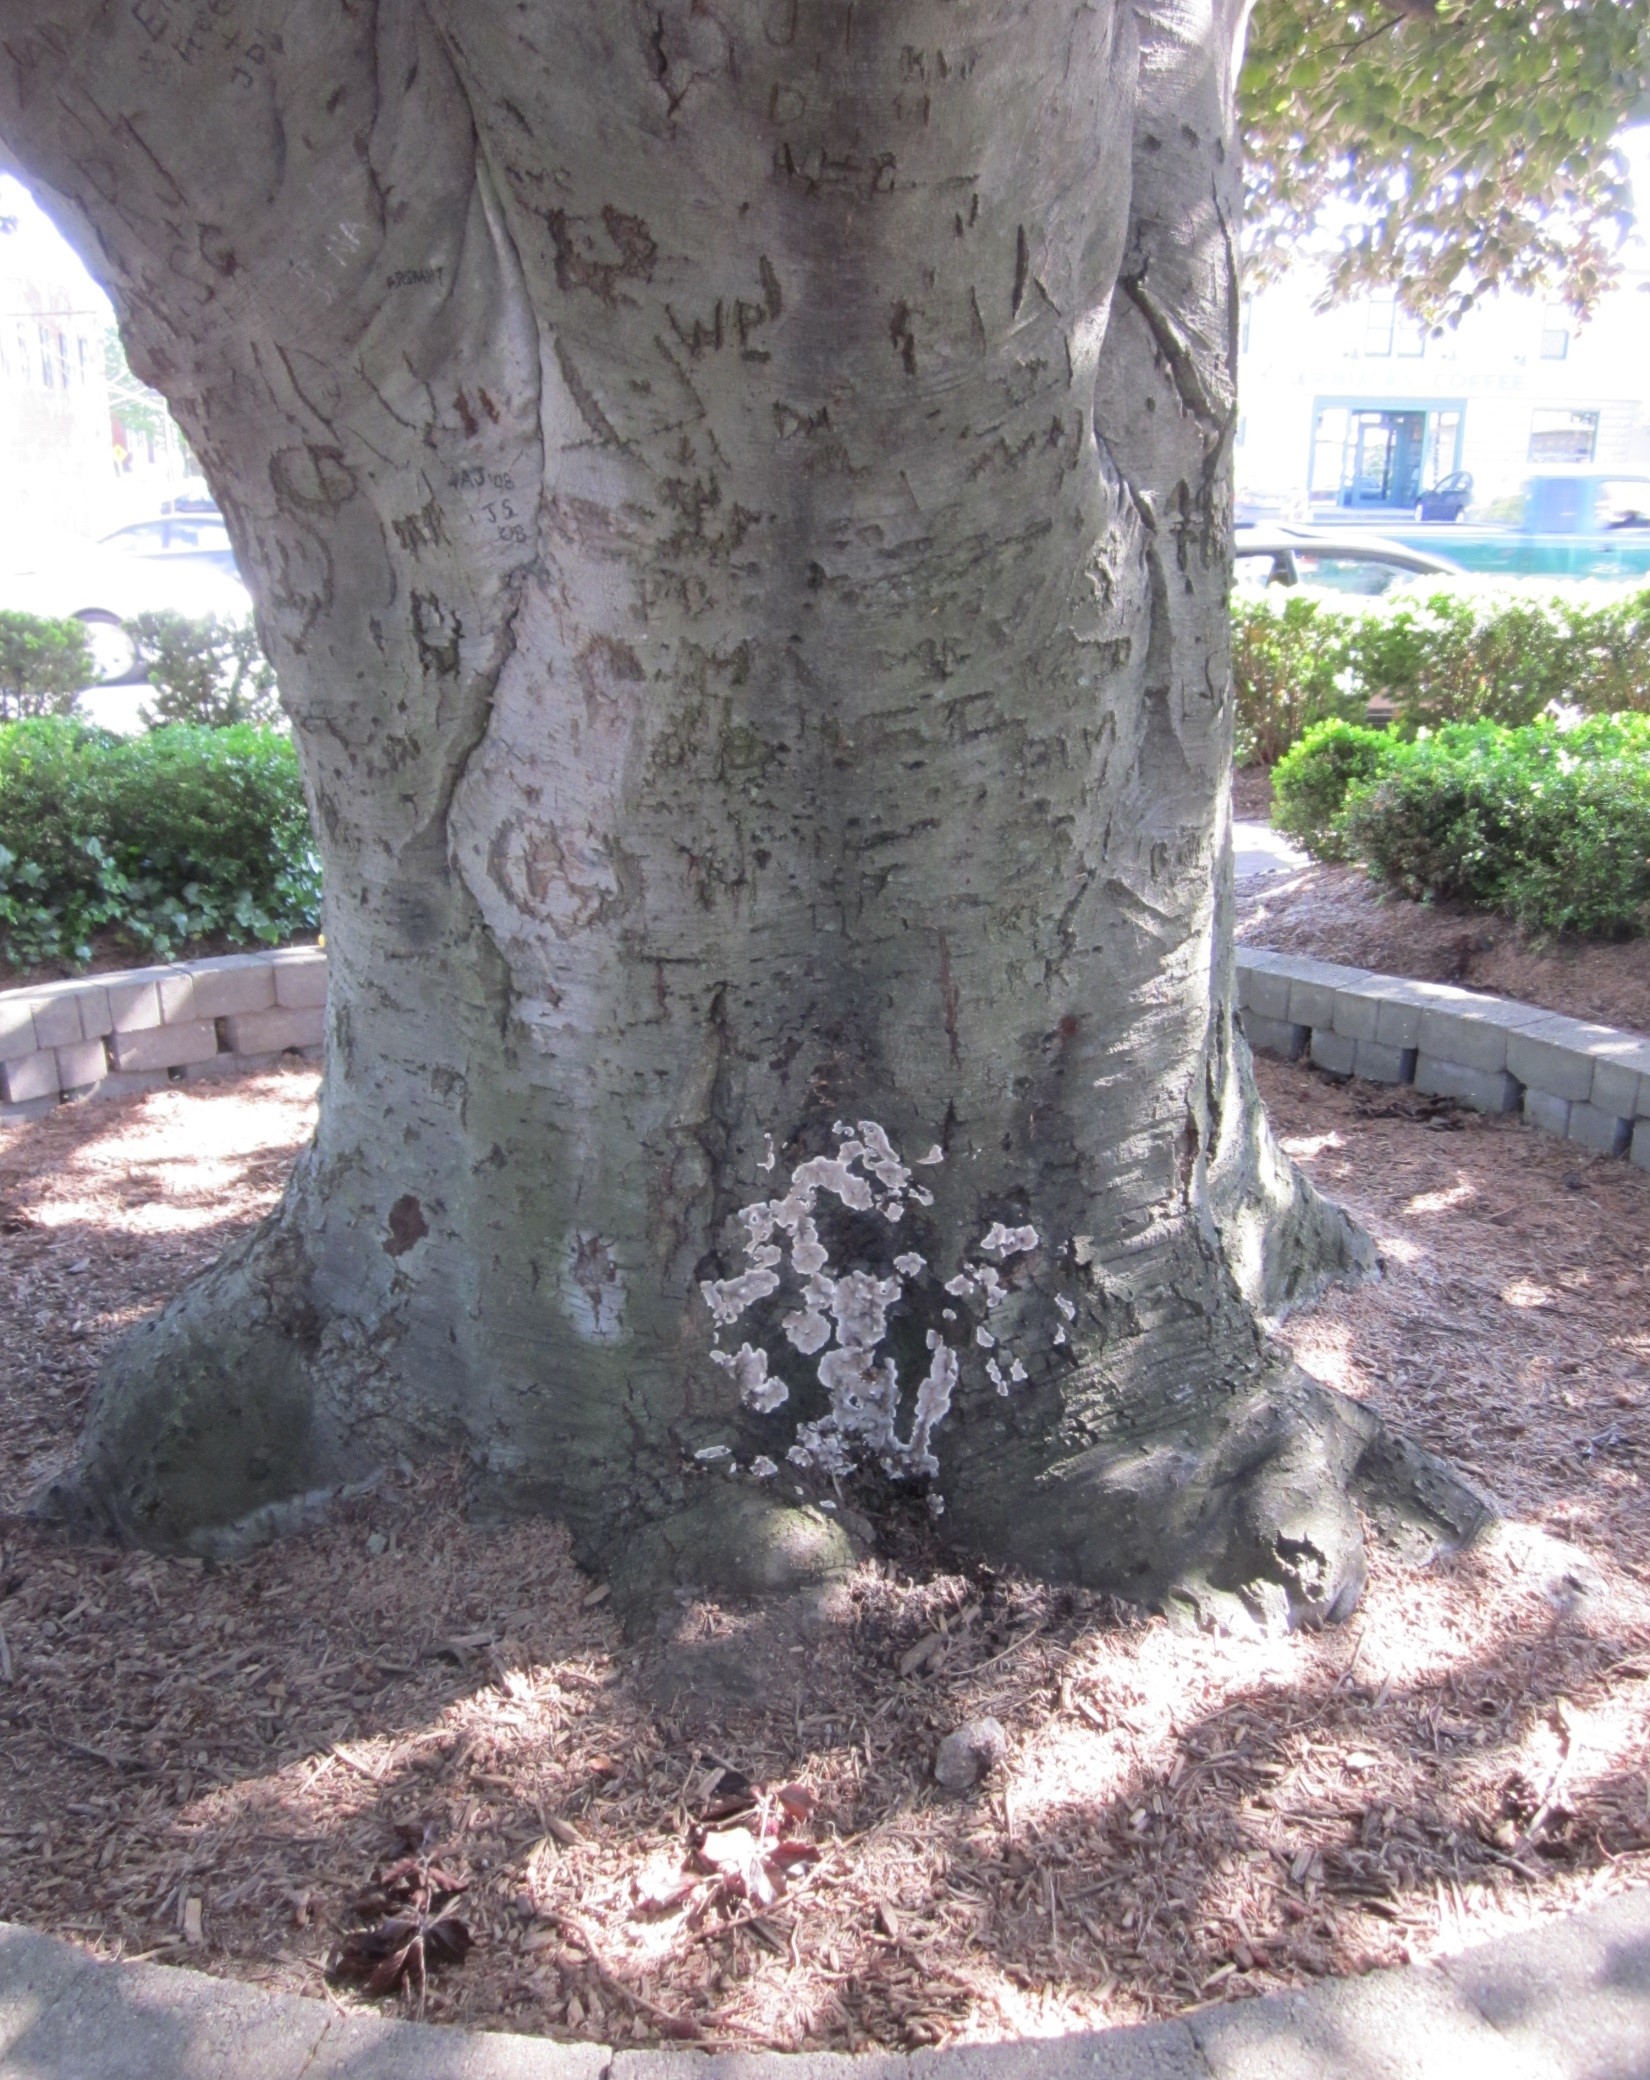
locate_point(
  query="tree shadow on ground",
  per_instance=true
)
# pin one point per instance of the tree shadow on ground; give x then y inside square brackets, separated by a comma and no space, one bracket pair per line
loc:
[107,1208]
[1180,1821]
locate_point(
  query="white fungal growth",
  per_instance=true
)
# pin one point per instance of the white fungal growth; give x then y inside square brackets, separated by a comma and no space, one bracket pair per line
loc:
[835,1174]
[727,1298]
[933,1406]
[1059,1336]
[1067,1307]
[1008,1242]
[880,1158]
[807,1330]
[840,1319]
[712,1452]
[763,1468]
[758,1388]
[1017,1373]
[936,1154]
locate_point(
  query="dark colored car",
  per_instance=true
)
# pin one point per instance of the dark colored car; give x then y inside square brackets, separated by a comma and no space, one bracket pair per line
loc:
[1446,500]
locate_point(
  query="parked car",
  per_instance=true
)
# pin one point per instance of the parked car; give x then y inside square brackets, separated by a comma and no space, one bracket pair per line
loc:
[1448,499]
[1348,560]
[180,562]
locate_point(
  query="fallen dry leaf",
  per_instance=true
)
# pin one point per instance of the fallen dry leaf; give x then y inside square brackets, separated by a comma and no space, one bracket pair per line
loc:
[419,1928]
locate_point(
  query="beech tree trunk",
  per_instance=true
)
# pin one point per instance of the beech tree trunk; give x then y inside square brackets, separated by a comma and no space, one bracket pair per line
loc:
[738,499]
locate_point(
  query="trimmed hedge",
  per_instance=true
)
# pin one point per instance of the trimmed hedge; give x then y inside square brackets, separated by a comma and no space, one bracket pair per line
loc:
[1550,826]
[43,665]
[1458,656]
[184,834]
[1310,784]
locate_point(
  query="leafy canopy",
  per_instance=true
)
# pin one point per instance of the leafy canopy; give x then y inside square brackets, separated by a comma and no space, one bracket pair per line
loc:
[1456,151]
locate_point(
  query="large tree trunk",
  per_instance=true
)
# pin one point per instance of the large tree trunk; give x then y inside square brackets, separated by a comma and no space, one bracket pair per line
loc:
[737,496]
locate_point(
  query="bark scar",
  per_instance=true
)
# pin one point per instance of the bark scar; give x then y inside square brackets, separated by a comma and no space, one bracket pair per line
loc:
[1172,344]
[948,999]
[407,1226]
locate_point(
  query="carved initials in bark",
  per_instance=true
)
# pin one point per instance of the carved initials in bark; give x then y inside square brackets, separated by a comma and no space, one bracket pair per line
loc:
[755,668]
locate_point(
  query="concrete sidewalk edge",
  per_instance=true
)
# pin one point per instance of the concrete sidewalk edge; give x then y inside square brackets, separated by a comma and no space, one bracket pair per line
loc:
[1566,1999]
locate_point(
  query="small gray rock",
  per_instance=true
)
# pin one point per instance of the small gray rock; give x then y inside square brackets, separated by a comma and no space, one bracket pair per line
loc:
[970,1754]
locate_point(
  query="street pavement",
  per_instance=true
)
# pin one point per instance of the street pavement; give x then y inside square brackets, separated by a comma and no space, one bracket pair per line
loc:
[1566,1999]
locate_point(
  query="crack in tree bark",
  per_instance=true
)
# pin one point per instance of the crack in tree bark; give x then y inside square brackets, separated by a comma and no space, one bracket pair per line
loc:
[1180,360]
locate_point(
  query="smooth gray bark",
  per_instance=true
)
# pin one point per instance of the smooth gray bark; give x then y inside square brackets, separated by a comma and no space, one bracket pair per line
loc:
[737,497]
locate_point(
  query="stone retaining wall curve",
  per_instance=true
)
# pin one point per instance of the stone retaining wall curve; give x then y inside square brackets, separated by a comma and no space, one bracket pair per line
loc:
[1589,1084]
[101,1035]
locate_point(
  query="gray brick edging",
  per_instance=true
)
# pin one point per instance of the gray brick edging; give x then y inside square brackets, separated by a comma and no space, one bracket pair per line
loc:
[1587,1083]
[102,1035]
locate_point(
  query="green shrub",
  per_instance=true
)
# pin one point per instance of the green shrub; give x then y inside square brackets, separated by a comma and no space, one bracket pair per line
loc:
[184,834]
[207,670]
[43,665]
[1461,655]
[1310,783]
[1549,826]
[1291,667]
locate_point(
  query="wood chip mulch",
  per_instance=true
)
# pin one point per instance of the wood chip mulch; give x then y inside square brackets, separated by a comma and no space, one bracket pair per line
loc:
[237,1767]
[1335,913]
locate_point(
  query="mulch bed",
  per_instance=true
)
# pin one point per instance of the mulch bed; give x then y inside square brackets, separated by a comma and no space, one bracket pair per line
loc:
[209,1764]
[1338,913]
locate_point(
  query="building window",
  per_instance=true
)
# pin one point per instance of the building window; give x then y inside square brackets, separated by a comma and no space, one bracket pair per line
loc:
[48,365]
[1555,333]
[1409,336]
[1443,446]
[1328,446]
[1557,435]
[1380,317]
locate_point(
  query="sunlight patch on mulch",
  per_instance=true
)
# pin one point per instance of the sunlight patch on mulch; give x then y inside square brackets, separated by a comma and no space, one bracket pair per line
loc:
[208,1765]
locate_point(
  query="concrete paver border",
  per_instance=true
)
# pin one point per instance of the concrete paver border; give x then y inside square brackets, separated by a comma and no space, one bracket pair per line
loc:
[1565,1999]
[1586,1083]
